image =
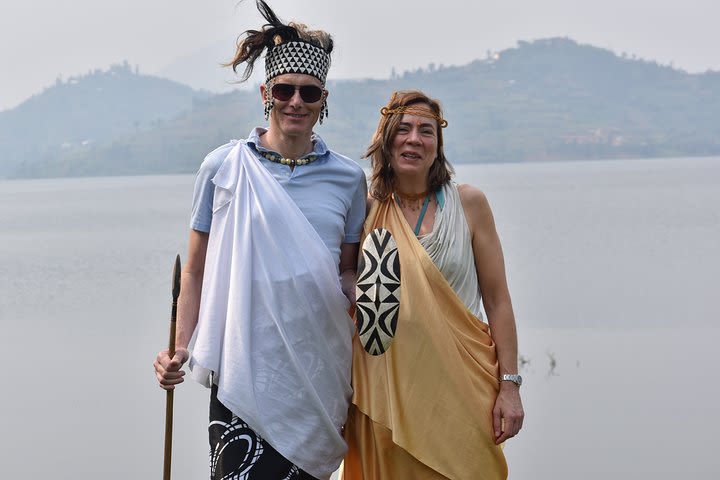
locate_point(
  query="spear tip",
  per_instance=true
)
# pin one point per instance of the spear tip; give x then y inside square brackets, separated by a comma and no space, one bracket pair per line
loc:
[176,278]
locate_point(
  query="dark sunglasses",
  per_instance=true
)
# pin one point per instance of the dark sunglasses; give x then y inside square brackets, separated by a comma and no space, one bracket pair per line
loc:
[285,91]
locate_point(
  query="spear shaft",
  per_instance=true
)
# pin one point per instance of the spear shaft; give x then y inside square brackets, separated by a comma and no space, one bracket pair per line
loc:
[171,353]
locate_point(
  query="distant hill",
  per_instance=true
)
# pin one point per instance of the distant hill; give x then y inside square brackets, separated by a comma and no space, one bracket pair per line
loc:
[550,99]
[83,113]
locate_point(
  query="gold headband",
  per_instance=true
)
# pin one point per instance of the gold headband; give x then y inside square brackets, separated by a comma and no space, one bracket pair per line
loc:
[414,110]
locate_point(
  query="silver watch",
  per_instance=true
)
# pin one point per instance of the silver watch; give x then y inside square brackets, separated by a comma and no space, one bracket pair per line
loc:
[516,379]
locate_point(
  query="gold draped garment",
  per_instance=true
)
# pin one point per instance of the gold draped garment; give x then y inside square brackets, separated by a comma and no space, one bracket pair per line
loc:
[423,409]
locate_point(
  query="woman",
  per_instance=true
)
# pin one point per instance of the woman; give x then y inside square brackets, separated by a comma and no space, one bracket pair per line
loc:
[436,392]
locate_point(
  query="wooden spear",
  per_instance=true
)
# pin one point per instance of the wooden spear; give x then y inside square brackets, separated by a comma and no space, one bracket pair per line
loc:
[171,353]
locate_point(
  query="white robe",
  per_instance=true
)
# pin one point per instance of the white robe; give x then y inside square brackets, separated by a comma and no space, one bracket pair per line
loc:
[273,324]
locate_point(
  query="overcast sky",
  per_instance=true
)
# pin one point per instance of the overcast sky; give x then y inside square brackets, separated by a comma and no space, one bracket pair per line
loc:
[42,39]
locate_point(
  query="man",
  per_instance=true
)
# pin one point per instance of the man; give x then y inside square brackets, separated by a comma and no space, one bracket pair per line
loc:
[274,236]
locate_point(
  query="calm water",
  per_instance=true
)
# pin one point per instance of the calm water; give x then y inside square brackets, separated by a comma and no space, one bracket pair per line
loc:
[613,267]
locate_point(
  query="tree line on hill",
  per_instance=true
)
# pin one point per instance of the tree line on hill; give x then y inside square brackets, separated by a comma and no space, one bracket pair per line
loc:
[551,99]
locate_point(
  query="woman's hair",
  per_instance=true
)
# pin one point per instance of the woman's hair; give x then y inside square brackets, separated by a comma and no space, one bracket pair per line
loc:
[251,43]
[379,152]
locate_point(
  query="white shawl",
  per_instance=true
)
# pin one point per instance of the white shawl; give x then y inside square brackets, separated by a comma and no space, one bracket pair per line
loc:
[273,324]
[450,248]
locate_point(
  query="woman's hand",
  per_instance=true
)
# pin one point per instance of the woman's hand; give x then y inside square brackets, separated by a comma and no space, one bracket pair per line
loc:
[508,413]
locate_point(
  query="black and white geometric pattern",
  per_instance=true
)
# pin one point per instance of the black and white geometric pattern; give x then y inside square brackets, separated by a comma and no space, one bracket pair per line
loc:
[378,292]
[297,57]
[235,450]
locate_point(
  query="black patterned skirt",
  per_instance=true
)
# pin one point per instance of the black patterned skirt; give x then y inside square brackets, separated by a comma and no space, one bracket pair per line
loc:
[237,452]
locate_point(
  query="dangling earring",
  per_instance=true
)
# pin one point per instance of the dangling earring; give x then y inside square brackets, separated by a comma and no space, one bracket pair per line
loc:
[268,104]
[324,111]
[268,107]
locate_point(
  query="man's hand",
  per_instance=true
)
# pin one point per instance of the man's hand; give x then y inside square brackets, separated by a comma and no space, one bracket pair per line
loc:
[348,278]
[167,370]
[348,273]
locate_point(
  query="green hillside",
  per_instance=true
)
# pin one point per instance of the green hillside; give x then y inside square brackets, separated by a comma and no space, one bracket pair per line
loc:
[93,110]
[550,99]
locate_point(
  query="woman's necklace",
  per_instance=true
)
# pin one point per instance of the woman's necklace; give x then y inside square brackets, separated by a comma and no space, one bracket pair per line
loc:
[414,205]
[413,201]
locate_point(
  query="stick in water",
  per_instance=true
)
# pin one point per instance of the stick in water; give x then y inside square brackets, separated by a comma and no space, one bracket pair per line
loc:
[171,353]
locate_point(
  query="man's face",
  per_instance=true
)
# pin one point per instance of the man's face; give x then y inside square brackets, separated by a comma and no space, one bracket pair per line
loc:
[294,116]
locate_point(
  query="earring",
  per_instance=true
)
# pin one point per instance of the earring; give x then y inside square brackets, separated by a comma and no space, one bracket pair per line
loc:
[268,107]
[324,111]
[268,104]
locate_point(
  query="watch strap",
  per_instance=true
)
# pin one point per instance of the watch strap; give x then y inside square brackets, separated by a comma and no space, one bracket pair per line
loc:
[515,378]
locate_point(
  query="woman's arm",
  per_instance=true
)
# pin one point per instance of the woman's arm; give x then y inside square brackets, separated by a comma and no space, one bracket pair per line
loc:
[490,264]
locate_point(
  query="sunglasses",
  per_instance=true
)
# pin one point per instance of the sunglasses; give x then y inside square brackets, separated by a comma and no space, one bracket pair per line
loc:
[285,91]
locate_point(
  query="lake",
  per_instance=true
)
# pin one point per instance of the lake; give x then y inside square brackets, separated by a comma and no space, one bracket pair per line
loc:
[613,267]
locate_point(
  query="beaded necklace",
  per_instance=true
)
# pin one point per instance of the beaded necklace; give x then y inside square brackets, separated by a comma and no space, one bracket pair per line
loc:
[422,215]
[410,200]
[402,198]
[273,157]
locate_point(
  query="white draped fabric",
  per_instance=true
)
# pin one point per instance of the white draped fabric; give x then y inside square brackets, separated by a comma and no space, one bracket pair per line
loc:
[273,323]
[450,248]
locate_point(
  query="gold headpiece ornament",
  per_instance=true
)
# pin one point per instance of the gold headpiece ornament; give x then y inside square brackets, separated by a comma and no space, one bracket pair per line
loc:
[415,110]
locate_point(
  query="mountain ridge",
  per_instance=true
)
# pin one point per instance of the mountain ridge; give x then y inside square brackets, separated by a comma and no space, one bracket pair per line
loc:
[550,99]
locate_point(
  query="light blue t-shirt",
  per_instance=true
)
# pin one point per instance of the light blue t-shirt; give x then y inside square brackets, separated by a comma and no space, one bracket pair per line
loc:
[331,191]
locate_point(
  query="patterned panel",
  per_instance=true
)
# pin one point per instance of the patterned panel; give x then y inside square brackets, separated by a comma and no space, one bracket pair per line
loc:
[235,448]
[378,292]
[297,57]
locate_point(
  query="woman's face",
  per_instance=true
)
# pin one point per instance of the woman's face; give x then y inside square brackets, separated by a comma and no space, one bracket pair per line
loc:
[414,147]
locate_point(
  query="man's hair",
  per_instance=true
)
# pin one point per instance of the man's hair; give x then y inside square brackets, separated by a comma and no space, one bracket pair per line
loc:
[252,43]
[380,150]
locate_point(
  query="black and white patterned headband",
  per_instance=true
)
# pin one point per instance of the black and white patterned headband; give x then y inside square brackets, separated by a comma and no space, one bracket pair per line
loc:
[297,57]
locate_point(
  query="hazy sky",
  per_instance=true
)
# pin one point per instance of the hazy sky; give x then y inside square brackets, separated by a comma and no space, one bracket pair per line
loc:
[41,39]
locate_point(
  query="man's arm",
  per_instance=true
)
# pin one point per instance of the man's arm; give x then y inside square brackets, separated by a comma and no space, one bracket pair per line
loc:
[348,271]
[167,369]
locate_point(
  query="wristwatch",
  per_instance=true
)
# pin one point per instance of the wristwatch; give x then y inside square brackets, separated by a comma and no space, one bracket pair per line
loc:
[516,379]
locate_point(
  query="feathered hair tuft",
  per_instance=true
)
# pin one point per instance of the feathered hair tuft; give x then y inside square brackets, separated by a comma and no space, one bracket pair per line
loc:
[252,43]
